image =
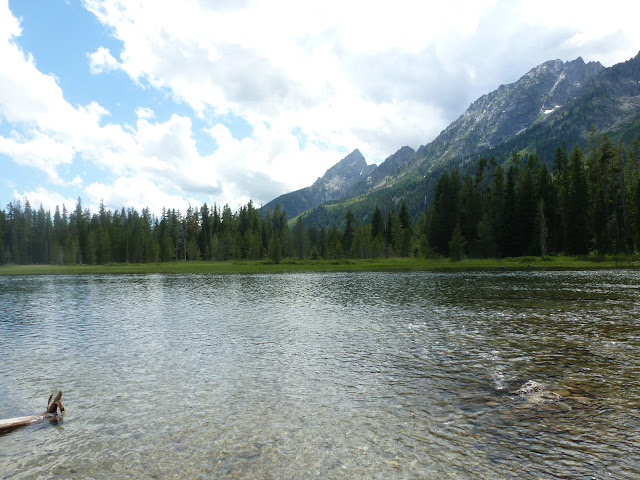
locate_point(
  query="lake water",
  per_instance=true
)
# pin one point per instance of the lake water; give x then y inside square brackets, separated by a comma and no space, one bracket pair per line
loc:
[372,375]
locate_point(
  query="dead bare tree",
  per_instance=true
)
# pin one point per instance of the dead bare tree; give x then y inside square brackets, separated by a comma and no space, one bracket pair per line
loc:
[51,413]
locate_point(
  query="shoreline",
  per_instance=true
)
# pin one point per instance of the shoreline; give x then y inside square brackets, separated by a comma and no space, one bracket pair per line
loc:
[345,265]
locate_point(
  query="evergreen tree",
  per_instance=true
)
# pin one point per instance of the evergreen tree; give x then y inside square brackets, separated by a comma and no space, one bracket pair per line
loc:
[404,217]
[541,244]
[526,206]
[526,211]
[457,244]
[444,213]
[561,215]
[349,232]
[577,226]
[422,232]
[3,229]
[377,223]
[470,210]
[275,248]
[300,237]
[510,234]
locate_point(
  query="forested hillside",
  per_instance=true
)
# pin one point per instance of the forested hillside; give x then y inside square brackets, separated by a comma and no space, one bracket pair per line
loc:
[589,201]
[553,103]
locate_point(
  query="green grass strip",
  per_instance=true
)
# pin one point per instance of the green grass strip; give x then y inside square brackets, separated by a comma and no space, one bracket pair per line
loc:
[367,265]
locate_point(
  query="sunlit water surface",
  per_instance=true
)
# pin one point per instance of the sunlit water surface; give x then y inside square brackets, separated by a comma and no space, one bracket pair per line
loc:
[372,375]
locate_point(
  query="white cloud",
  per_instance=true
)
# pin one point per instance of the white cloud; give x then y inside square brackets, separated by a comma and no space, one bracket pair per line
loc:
[596,32]
[311,79]
[48,199]
[41,152]
[145,113]
[361,74]
[49,133]
[8,23]
[290,71]
[132,192]
[247,165]
[102,61]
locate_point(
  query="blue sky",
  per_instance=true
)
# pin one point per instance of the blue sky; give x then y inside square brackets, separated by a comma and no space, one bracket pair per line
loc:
[157,103]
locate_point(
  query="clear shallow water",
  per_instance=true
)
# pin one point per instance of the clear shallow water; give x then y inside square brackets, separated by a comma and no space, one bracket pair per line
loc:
[373,375]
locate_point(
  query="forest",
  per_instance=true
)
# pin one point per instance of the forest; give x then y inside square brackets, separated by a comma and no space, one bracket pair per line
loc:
[576,203]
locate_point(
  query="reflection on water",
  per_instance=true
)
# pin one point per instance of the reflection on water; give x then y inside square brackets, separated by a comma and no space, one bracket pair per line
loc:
[371,375]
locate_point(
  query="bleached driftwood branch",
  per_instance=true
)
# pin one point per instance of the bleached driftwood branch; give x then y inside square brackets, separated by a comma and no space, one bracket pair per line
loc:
[50,413]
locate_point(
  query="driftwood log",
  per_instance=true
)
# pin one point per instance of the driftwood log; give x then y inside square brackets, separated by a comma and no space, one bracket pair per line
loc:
[50,414]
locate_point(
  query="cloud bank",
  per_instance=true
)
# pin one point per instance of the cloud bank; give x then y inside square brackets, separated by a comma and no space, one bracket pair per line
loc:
[312,81]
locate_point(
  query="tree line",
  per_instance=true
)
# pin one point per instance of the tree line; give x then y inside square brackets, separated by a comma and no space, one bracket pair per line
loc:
[29,236]
[586,202]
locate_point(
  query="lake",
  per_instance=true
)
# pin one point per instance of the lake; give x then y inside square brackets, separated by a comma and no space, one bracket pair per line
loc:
[366,375]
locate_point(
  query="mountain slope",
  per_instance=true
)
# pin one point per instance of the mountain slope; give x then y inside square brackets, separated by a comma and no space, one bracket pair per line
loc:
[500,115]
[333,184]
[381,175]
[610,103]
[552,103]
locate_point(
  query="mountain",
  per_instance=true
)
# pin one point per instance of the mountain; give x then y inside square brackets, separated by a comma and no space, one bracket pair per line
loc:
[504,113]
[333,184]
[553,103]
[380,176]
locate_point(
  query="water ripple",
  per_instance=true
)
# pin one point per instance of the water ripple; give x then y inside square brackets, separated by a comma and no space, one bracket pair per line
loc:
[371,375]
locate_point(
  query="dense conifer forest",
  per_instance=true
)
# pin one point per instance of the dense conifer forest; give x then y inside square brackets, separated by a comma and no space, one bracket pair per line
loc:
[584,201]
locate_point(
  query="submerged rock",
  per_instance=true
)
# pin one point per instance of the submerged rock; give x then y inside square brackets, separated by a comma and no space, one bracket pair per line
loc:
[562,393]
[582,400]
[528,388]
[562,399]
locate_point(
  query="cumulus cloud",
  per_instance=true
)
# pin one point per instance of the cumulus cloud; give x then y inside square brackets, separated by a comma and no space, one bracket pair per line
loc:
[41,152]
[102,61]
[345,72]
[145,113]
[136,193]
[247,165]
[313,80]
[288,71]
[49,133]
[48,199]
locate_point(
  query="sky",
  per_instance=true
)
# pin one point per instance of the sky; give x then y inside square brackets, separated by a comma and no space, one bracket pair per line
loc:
[158,103]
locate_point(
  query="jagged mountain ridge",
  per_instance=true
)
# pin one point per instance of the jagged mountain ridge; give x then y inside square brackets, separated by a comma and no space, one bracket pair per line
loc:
[552,103]
[610,103]
[380,175]
[333,184]
[509,110]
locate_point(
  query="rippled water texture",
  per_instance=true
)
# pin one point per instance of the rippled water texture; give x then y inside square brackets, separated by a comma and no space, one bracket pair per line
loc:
[372,375]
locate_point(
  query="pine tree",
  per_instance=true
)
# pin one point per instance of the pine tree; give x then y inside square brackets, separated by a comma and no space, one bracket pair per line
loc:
[456,244]
[444,214]
[577,226]
[349,232]
[404,216]
[561,215]
[377,223]
[300,236]
[275,248]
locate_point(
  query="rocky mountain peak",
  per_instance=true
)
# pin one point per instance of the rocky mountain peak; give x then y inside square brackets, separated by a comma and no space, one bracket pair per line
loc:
[333,184]
[507,111]
[378,176]
[350,167]
[343,174]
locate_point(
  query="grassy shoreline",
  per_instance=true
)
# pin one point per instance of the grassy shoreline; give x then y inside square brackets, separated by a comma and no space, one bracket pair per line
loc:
[374,265]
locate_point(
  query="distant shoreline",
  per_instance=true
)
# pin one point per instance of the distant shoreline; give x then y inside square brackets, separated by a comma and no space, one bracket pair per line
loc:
[346,265]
